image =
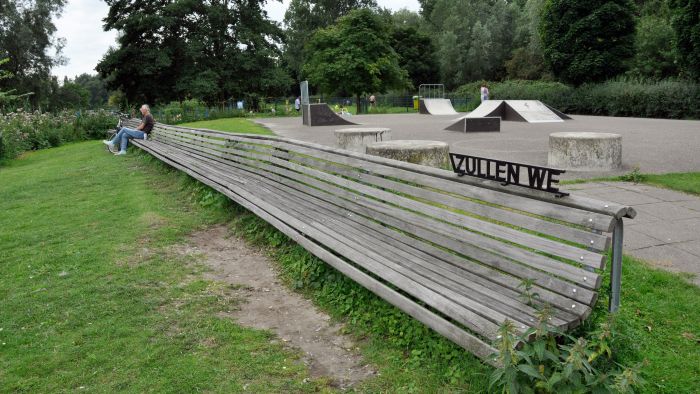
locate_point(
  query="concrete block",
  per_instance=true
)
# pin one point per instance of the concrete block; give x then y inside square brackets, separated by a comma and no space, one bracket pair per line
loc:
[427,153]
[356,139]
[584,151]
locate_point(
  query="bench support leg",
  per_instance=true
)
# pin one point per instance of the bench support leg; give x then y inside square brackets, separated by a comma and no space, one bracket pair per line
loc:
[616,270]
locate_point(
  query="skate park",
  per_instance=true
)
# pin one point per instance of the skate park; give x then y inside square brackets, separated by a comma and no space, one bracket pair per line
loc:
[522,133]
[668,219]
[653,145]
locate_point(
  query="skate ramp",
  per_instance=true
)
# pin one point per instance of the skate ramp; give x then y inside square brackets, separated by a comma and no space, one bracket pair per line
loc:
[531,111]
[437,107]
[534,111]
[322,115]
[475,125]
[488,108]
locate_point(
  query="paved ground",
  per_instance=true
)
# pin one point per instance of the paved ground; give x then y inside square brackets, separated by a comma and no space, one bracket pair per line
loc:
[666,231]
[655,145]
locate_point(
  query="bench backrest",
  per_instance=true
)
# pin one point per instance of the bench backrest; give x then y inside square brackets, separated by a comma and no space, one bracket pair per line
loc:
[499,235]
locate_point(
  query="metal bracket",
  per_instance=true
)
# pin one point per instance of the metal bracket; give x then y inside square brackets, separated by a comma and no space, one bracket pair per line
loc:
[616,269]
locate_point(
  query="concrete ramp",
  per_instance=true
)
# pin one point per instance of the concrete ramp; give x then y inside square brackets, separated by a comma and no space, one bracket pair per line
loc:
[488,108]
[322,115]
[534,111]
[437,107]
[475,125]
[531,111]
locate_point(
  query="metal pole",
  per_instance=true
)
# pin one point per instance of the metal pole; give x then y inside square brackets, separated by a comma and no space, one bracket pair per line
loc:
[616,270]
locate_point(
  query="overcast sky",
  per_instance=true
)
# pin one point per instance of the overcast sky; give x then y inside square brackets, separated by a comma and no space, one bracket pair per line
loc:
[86,42]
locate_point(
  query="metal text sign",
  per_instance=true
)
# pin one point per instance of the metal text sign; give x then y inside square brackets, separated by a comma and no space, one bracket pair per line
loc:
[508,173]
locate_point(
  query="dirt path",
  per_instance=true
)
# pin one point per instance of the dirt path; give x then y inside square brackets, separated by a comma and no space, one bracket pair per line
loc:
[271,306]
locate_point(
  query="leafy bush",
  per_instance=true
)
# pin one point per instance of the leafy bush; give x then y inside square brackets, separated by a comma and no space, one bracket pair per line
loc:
[619,97]
[545,360]
[22,131]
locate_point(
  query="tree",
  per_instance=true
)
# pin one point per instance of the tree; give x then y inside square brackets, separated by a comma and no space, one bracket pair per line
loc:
[96,87]
[354,56]
[174,50]
[686,24]
[72,95]
[407,18]
[655,52]
[474,38]
[527,61]
[27,39]
[426,7]
[416,55]
[587,40]
[304,17]
[7,97]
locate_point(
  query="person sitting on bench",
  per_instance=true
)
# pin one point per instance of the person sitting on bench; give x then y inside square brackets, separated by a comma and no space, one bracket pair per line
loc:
[125,134]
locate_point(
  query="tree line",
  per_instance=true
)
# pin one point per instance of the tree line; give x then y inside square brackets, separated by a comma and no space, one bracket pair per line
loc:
[216,50]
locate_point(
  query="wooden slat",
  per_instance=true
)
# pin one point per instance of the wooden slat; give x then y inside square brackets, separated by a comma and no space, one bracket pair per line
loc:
[362,208]
[304,200]
[549,208]
[541,262]
[272,215]
[567,205]
[582,294]
[590,240]
[400,277]
[486,274]
[371,237]
[578,255]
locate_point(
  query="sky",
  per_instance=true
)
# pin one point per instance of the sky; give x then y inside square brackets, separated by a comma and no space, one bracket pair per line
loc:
[86,42]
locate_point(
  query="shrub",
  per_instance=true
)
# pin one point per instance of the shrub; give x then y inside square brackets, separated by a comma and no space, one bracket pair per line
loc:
[195,110]
[618,97]
[21,131]
[544,360]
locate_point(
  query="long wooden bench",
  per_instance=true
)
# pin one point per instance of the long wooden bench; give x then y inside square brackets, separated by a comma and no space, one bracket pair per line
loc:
[450,251]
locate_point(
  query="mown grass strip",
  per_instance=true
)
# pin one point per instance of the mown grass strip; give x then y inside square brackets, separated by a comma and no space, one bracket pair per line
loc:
[230,125]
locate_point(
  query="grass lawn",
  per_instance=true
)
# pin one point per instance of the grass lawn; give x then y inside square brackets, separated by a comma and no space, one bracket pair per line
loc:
[91,297]
[688,182]
[230,125]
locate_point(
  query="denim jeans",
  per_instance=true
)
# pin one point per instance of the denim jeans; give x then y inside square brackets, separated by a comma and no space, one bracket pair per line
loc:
[124,135]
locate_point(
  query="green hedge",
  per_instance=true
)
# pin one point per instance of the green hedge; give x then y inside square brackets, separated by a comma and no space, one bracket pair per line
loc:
[23,131]
[634,98]
[193,111]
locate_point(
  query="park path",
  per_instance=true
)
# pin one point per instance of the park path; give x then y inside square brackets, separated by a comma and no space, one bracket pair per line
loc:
[269,305]
[666,231]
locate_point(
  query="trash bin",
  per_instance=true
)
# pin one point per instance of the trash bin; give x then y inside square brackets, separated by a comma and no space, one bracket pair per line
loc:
[416,100]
